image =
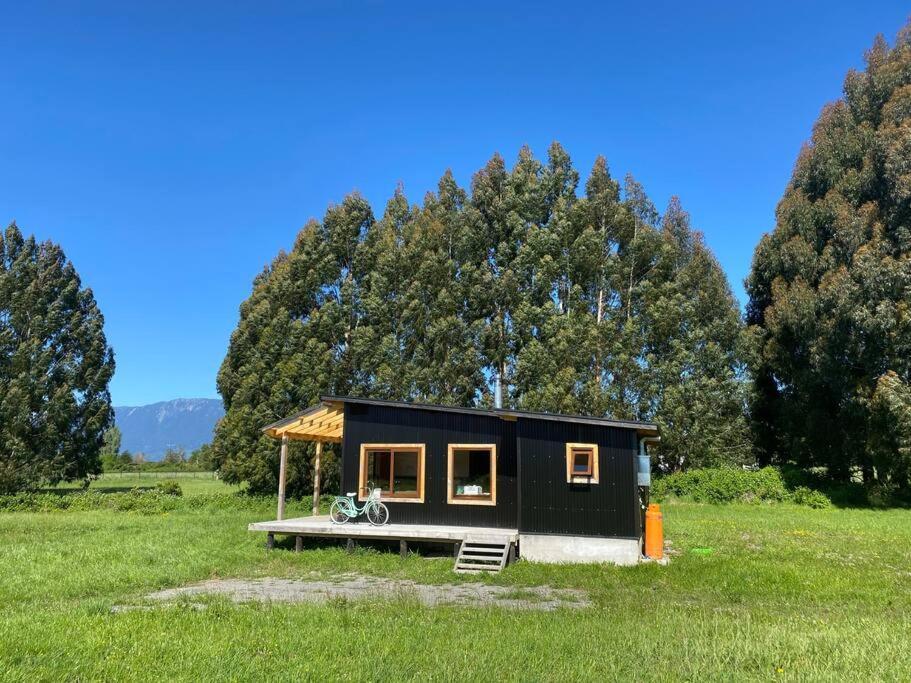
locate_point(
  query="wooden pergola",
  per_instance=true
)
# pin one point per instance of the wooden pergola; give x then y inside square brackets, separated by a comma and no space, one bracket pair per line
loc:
[322,423]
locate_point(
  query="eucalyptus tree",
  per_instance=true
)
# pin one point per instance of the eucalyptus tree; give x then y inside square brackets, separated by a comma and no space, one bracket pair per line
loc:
[583,304]
[830,286]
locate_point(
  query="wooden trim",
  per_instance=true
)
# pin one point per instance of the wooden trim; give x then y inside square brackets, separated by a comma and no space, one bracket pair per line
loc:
[572,478]
[282,468]
[392,447]
[451,498]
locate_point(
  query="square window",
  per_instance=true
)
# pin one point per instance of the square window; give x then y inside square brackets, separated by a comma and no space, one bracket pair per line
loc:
[582,463]
[472,474]
[396,469]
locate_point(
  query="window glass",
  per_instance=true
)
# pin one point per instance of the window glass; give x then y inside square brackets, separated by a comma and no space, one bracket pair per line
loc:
[472,474]
[379,467]
[396,471]
[582,462]
[405,473]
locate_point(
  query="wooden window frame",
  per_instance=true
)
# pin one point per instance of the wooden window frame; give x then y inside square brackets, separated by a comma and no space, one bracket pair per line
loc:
[420,448]
[571,477]
[451,496]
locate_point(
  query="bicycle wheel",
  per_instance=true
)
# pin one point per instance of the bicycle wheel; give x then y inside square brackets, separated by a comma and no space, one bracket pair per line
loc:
[378,514]
[336,514]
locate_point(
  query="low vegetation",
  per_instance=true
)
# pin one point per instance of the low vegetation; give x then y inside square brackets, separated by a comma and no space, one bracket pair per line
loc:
[752,591]
[723,485]
[772,485]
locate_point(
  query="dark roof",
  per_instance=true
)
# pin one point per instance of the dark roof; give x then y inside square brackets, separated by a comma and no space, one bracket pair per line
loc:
[500,412]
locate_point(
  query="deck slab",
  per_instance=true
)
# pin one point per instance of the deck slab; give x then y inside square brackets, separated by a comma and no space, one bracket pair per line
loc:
[322,526]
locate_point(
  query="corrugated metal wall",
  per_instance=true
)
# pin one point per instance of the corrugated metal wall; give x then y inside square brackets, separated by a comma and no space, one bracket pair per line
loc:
[550,505]
[546,504]
[387,424]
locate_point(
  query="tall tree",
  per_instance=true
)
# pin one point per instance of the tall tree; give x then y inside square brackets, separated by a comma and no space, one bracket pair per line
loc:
[830,287]
[55,367]
[442,336]
[570,304]
[281,357]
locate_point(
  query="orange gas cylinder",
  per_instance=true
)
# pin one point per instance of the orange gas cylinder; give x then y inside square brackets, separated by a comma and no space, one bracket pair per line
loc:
[654,532]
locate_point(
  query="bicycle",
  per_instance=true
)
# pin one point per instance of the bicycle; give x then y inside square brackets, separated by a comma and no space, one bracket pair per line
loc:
[344,508]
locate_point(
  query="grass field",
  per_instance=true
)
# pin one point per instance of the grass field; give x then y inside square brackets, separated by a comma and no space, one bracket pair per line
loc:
[752,592]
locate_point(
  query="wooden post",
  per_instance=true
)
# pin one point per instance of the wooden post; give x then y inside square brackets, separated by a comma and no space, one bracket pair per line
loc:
[298,543]
[319,452]
[403,548]
[349,546]
[270,541]
[283,466]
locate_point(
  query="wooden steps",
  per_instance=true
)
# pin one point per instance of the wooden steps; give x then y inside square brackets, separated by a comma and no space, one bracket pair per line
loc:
[483,555]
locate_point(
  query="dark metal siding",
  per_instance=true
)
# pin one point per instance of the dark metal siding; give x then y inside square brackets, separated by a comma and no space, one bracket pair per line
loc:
[550,505]
[385,424]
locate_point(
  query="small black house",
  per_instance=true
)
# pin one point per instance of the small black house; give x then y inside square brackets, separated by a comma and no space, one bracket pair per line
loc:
[568,485]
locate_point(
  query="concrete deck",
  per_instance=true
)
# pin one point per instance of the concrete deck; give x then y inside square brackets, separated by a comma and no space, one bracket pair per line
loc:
[322,526]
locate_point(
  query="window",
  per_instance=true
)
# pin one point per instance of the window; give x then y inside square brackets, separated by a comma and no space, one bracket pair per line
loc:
[472,474]
[396,469]
[582,463]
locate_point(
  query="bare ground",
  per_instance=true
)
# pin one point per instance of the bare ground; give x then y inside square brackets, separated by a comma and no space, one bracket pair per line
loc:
[356,587]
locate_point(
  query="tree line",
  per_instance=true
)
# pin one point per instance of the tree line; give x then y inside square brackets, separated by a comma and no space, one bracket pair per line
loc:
[586,302]
[559,295]
[114,459]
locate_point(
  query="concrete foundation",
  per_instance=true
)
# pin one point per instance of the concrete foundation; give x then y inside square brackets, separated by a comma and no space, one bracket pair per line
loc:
[578,549]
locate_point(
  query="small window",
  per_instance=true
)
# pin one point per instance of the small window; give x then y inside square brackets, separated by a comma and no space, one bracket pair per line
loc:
[472,474]
[396,469]
[582,463]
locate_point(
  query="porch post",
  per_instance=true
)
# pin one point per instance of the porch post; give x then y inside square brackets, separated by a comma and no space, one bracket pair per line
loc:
[319,452]
[283,466]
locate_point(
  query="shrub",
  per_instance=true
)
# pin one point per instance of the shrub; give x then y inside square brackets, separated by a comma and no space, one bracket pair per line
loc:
[803,495]
[727,485]
[169,487]
[722,485]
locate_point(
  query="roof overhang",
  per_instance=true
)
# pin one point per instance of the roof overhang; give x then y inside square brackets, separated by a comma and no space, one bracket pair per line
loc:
[326,420]
[322,422]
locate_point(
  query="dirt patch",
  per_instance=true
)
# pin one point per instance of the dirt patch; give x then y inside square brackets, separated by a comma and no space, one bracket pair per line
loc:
[356,587]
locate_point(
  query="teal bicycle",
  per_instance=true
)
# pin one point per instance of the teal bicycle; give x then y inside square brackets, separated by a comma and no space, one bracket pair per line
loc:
[344,508]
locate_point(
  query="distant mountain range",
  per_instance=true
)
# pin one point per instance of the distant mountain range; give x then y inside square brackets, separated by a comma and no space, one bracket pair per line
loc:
[182,423]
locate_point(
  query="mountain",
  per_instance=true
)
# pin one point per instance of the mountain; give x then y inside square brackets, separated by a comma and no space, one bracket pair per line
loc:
[182,423]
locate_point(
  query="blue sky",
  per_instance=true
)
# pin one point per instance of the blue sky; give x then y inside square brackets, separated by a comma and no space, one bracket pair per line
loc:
[173,148]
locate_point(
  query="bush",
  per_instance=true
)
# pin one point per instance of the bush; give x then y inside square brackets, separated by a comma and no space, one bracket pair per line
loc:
[169,487]
[722,485]
[803,495]
[727,485]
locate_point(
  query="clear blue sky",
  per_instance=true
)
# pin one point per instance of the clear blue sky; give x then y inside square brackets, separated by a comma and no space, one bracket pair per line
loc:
[173,149]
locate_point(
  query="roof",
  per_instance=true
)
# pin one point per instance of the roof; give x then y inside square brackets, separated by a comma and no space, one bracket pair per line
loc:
[325,421]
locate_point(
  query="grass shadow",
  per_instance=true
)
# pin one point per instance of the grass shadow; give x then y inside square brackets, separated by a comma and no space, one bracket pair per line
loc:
[99,489]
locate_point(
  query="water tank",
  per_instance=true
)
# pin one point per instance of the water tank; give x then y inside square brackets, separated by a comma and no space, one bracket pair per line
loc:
[644,470]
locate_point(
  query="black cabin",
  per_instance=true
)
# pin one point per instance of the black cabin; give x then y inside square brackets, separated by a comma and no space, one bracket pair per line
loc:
[569,485]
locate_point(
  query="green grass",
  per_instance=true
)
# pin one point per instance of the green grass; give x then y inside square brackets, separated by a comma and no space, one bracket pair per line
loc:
[753,592]
[192,483]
